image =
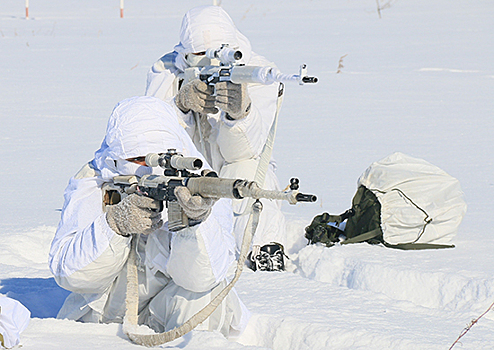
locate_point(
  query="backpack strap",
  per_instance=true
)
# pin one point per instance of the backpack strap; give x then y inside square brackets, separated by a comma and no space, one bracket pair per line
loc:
[418,246]
[363,237]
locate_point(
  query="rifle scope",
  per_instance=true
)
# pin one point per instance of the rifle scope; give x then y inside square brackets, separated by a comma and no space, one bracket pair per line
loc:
[174,161]
[224,54]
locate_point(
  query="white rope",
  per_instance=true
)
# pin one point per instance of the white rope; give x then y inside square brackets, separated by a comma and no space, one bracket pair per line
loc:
[150,340]
[132,299]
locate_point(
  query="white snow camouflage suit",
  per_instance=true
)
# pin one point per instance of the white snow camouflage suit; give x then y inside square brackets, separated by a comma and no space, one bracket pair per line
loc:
[232,147]
[179,272]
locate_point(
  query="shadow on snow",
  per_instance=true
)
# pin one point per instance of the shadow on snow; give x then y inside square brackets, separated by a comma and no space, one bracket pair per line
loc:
[42,296]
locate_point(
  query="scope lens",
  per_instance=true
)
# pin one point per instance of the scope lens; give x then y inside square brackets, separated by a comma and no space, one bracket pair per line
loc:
[237,55]
[197,163]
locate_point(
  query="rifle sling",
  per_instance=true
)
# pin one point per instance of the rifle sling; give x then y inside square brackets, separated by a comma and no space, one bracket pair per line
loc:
[267,150]
[201,316]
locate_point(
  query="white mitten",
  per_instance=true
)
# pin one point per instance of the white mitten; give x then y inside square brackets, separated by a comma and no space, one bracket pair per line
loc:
[195,207]
[134,214]
[197,96]
[233,99]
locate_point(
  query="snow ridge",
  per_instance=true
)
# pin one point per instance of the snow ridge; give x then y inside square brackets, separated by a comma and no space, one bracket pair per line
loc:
[344,266]
[363,297]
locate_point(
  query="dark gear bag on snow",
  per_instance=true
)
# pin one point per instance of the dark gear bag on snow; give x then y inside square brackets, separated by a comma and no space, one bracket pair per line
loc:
[401,202]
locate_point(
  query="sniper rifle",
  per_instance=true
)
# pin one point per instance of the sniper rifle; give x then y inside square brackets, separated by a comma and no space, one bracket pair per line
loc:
[230,70]
[177,172]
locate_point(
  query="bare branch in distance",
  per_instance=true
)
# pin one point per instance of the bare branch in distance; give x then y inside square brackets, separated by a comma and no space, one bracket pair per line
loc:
[340,64]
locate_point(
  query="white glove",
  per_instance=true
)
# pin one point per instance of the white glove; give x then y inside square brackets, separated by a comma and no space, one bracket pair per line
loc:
[233,99]
[134,214]
[197,96]
[194,206]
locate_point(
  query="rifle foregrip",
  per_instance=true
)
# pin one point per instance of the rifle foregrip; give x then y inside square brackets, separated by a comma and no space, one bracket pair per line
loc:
[213,187]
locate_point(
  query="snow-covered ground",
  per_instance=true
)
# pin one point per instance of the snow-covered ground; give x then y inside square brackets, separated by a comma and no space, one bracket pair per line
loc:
[419,80]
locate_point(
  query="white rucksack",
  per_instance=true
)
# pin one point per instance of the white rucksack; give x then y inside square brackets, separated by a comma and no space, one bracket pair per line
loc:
[401,202]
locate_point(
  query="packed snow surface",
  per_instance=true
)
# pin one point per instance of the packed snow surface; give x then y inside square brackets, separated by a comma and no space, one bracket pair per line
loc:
[415,77]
